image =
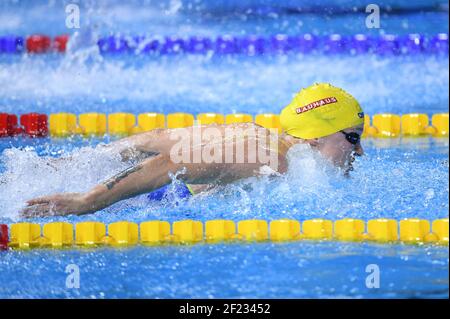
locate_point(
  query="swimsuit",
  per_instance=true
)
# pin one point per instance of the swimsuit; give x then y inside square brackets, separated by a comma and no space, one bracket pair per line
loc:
[179,189]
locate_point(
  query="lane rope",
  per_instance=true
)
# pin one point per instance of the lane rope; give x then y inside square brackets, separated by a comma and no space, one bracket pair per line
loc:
[125,233]
[252,45]
[124,124]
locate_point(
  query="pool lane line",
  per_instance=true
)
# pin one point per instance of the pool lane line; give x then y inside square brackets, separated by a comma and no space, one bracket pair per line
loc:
[155,233]
[251,45]
[123,124]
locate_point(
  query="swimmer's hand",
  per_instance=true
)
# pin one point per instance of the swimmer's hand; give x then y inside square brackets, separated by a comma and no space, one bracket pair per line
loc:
[56,205]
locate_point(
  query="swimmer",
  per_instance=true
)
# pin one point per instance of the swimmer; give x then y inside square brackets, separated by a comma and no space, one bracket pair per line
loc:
[327,118]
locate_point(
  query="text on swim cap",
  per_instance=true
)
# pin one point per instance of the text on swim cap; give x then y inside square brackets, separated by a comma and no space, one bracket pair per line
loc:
[316,104]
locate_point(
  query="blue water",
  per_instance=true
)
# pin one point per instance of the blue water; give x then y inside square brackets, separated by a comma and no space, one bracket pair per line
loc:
[210,18]
[398,178]
[201,84]
[303,270]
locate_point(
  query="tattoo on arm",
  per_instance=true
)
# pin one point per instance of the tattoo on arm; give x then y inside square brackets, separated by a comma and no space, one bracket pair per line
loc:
[110,183]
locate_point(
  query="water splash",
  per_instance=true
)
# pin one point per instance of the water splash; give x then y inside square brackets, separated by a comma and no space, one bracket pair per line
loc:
[82,50]
[27,175]
[84,82]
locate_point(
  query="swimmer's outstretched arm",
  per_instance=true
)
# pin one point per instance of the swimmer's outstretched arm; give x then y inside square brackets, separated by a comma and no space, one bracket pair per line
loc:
[150,174]
[145,177]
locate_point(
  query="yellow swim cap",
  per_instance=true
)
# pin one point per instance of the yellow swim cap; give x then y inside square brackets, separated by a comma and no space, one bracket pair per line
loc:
[320,110]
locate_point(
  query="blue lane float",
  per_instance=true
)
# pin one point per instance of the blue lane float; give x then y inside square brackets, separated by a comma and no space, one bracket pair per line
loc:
[11,44]
[278,44]
[258,45]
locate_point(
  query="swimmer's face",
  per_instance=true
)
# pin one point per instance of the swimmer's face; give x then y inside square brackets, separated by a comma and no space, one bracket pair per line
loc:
[338,149]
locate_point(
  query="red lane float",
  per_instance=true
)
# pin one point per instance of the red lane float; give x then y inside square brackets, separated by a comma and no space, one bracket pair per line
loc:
[34,124]
[37,43]
[60,43]
[41,43]
[8,125]
[3,237]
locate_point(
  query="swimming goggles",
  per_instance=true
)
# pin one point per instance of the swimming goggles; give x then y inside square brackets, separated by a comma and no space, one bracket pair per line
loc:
[353,138]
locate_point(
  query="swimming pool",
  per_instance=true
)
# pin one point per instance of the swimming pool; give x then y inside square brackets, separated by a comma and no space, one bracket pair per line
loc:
[399,177]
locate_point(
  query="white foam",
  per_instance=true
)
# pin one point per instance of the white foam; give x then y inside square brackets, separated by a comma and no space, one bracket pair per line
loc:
[309,177]
[28,175]
[228,85]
